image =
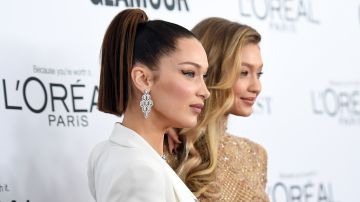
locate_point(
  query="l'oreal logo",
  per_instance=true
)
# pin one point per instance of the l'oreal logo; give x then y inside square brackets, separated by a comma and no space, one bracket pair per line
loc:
[280,14]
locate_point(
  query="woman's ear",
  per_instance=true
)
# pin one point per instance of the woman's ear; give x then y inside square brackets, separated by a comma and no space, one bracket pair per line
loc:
[141,77]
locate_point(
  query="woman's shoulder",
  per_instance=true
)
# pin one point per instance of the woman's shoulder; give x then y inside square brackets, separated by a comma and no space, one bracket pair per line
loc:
[242,164]
[130,174]
[111,155]
[242,145]
[242,153]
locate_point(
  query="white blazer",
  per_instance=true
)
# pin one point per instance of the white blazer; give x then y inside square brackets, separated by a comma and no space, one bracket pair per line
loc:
[126,168]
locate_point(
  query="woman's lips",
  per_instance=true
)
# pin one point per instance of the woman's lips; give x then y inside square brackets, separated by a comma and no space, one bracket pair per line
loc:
[197,107]
[249,100]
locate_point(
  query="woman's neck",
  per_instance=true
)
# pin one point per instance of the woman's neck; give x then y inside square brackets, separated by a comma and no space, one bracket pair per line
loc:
[149,129]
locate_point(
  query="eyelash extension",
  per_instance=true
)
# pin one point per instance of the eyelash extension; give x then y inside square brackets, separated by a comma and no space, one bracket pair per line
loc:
[187,73]
[244,73]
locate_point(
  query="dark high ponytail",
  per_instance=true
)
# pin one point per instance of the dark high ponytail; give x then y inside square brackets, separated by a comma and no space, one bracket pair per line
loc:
[131,38]
[117,60]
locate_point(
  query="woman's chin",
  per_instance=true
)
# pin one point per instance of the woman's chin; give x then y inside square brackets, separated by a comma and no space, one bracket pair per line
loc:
[243,113]
[190,123]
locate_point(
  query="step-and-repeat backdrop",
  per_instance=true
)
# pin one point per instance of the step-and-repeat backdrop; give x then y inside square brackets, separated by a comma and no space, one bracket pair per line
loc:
[307,117]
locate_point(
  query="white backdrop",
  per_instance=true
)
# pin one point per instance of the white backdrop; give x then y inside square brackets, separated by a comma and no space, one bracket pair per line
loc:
[308,116]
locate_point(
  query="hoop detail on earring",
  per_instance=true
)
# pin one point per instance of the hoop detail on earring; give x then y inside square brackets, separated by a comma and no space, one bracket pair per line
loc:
[146,103]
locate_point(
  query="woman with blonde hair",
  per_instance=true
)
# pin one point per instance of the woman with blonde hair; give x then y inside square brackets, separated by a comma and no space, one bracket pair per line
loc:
[215,165]
[152,74]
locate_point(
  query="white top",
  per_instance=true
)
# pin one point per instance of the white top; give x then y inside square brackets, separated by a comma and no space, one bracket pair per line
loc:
[126,168]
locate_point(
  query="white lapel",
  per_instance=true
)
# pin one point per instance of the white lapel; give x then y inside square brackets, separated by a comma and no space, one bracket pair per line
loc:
[182,192]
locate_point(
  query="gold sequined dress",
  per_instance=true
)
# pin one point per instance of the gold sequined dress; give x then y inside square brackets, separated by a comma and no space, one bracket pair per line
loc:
[241,170]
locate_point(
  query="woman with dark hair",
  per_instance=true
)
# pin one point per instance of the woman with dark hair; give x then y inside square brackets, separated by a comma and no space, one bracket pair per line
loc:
[152,74]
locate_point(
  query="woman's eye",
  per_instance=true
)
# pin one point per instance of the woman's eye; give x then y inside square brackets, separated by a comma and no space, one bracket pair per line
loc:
[205,76]
[190,74]
[244,73]
[259,74]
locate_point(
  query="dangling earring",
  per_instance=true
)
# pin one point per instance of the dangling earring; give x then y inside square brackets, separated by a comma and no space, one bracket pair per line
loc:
[146,103]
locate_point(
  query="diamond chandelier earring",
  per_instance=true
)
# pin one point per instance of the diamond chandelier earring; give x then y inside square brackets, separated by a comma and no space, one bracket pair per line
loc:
[146,103]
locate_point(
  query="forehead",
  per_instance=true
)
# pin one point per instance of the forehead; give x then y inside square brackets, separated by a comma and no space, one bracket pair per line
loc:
[188,50]
[251,54]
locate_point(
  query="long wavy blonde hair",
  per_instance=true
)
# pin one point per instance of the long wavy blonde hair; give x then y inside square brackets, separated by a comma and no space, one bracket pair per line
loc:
[223,41]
